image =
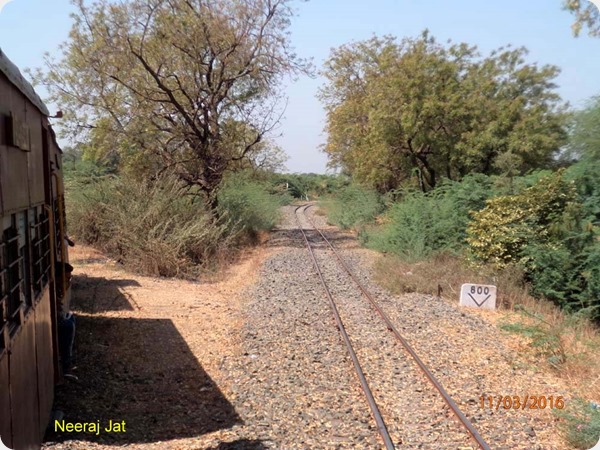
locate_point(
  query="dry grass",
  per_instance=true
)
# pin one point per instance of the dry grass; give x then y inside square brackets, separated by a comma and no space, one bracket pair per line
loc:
[448,273]
[565,344]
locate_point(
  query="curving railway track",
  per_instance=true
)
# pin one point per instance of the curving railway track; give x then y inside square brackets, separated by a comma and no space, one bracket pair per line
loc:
[350,344]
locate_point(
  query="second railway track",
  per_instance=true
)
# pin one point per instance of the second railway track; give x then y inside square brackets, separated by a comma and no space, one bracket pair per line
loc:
[399,397]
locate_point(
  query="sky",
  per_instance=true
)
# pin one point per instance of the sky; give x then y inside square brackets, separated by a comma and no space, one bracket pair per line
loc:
[29,28]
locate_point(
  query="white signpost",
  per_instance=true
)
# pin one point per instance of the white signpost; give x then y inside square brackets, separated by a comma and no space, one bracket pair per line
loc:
[478,296]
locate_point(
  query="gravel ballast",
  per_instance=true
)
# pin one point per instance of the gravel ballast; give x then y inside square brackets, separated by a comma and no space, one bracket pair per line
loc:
[256,361]
[297,388]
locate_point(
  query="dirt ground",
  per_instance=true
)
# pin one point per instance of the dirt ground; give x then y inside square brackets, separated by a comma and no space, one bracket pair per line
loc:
[186,329]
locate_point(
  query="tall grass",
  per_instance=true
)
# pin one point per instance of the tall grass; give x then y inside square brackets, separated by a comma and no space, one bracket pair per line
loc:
[249,206]
[157,228]
[149,227]
[420,225]
[445,273]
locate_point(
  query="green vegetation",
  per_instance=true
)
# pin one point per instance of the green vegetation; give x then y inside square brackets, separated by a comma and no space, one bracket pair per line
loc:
[162,226]
[409,113]
[248,206]
[581,424]
[421,224]
[148,227]
[545,339]
[190,87]
[310,186]
[500,232]
[353,207]
[152,227]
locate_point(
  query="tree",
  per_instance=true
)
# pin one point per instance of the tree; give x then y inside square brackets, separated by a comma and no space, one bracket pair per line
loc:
[584,143]
[185,85]
[587,15]
[419,110]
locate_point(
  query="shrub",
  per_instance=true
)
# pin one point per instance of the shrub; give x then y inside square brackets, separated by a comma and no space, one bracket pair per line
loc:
[419,225]
[353,206]
[549,230]
[499,233]
[149,227]
[248,206]
[408,228]
[565,275]
[581,423]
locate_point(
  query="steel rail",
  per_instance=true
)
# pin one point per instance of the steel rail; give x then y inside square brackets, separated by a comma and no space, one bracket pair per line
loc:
[381,427]
[451,403]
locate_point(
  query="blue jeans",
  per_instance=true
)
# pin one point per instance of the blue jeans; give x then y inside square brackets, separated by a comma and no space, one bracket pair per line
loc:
[66,339]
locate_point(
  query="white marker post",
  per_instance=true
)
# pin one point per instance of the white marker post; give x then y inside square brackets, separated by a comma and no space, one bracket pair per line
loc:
[478,296]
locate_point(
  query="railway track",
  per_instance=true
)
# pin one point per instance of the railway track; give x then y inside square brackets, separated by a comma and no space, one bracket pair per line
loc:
[382,427]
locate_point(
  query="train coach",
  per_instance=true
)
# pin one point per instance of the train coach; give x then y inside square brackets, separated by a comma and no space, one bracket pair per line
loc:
[33,256]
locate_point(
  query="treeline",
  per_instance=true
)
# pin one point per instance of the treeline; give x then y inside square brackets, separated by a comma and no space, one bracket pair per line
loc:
[415,112]
[453,152]
[546,223]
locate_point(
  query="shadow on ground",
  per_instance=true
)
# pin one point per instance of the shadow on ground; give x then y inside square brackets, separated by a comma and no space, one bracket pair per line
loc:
[294,239]
[242,444]
[97,294]
[140,371]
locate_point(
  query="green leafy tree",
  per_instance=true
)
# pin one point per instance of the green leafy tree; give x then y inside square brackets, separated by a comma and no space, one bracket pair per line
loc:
[185,85]
[418,110]
[551,230]
[500,231]
[584,142]
[587,15]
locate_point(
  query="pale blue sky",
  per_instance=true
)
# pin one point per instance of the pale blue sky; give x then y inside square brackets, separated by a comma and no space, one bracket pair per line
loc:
[28,28]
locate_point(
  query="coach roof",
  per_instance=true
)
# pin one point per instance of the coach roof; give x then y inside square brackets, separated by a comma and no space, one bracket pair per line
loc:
[13,74]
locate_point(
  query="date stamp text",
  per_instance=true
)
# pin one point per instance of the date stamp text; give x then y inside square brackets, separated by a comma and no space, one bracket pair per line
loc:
[521,402]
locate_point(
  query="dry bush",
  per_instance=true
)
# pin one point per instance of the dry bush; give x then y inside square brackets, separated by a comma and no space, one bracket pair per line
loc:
[151,228]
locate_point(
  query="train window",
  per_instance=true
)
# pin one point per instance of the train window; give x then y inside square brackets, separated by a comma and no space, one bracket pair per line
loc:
[25,255]
[40,250]
[16,272]
[14,276]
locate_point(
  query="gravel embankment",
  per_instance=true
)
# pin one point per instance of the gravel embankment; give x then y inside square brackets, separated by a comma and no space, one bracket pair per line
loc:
[201,366]
[296,387]
[467,355]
